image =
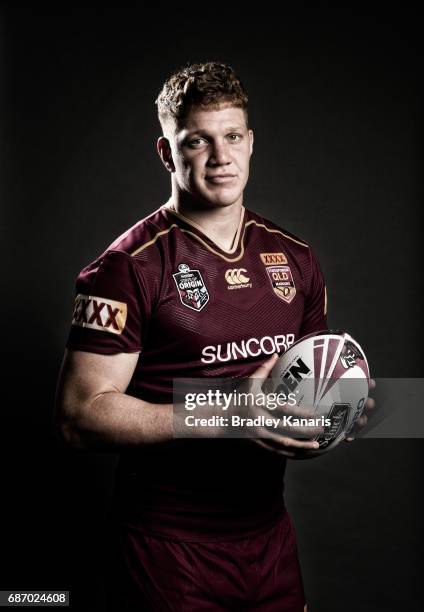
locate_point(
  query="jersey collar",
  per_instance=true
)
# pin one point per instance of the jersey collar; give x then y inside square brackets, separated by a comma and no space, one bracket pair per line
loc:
[193,229]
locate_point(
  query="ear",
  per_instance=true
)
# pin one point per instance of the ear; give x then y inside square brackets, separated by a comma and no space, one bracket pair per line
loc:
[165,153]
[251,139]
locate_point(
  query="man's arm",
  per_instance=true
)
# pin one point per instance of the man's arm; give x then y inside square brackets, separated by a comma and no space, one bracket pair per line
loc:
[93,411]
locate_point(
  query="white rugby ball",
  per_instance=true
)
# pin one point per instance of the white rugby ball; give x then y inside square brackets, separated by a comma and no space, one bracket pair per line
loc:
[328,373]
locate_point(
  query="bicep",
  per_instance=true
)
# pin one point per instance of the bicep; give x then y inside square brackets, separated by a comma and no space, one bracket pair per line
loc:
[84,376]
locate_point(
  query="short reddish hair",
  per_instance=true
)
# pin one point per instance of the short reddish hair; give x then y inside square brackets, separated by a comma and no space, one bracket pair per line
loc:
[207,85]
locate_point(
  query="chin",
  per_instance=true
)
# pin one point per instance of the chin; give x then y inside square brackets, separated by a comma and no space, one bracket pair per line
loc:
[223,199]
[222,203]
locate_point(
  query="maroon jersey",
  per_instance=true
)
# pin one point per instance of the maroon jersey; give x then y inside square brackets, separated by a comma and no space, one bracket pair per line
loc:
[192,309]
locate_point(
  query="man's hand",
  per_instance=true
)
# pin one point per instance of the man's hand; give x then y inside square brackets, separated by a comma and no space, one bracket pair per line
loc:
[363,419]
[276,441]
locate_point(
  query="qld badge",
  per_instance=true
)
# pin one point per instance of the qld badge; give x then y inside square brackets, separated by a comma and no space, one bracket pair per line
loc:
[191,288]
[282,282]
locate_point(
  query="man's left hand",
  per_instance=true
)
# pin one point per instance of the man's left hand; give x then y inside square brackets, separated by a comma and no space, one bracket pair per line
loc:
[363,419]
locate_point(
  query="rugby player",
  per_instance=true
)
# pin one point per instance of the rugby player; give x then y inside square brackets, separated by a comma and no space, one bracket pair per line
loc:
[202,287]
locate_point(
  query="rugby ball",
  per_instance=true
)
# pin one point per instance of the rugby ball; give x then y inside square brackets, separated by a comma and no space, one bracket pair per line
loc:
[328,373]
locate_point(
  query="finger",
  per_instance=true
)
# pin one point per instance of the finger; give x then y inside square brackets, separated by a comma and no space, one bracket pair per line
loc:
[284,441]
[299,412]
[360,423]
[274,449]
[289,450]
[372,383]
[299,431]
[363,419]
[264,369]
[369,404]
[304,444]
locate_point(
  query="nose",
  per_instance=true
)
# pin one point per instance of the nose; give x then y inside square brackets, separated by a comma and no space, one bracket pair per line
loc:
[220,153]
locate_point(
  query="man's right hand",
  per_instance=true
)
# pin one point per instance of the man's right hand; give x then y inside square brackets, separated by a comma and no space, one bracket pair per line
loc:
[275,440]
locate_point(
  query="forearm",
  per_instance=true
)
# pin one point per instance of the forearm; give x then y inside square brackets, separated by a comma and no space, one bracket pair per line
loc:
[114,420]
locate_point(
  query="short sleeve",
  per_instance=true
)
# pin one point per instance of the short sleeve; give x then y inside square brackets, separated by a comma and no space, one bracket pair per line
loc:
[112,307]
[315,313]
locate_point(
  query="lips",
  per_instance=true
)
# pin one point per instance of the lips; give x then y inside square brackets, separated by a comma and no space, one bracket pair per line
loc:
[220,178]
[219,175]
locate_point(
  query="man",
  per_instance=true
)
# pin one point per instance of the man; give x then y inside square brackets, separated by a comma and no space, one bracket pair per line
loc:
[191,292]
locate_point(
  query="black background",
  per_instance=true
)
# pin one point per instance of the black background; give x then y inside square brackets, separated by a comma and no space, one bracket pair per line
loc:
[335,105]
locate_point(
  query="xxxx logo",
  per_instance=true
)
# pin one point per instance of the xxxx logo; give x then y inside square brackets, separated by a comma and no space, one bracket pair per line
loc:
[273,258]
[236,278]
[99,313]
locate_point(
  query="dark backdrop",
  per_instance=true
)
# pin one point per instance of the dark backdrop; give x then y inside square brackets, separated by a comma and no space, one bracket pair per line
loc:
[334,103]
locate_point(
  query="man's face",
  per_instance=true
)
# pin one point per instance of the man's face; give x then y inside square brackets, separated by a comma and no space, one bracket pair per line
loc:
[211,151]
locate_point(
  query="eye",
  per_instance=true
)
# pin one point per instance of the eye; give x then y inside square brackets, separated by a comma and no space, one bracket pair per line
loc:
[196,142]
[235,137]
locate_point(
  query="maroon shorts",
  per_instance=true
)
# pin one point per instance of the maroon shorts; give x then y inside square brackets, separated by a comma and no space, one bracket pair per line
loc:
[260,573]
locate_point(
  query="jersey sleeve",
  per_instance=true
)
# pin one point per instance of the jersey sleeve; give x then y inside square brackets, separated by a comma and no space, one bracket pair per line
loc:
[315,313]
[112,307]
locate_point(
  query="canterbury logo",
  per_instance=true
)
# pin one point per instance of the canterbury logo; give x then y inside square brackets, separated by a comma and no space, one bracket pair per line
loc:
[99,313]
[273,258]
[236,276]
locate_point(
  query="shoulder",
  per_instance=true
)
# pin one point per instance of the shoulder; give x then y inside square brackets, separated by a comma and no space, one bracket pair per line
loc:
[143,235]
[132,250]
[266,225]
[137,240]
[298,246]
[294,249]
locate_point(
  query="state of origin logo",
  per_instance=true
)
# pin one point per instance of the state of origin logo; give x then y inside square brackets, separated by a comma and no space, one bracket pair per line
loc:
[191,287]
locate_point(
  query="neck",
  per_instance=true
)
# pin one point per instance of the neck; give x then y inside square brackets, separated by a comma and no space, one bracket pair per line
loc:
[219,223]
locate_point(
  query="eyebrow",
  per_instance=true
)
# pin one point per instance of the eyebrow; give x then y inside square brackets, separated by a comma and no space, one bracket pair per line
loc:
[205,132]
